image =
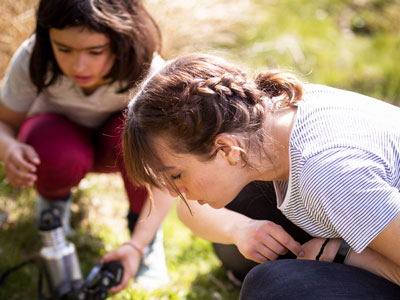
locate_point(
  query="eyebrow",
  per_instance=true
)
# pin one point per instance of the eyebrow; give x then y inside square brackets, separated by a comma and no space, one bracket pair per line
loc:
[88,48]
[165,168]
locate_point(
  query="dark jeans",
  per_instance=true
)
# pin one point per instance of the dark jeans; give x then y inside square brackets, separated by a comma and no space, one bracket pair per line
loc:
[257,200]
[291,279]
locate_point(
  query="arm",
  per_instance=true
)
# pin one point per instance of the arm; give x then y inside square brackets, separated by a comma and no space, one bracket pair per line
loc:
[369,259]
[364,212]
[144,232]
[20,160]
[258,240]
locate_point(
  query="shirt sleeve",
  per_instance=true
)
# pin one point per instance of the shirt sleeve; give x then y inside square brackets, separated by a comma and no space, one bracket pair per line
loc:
[351,191]
[18,92]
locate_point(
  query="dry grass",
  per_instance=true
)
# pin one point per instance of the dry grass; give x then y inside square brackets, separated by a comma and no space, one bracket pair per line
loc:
[192,25]
[186,25]
[16,23]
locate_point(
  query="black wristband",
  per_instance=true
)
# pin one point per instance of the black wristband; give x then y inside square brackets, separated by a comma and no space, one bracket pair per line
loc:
[342,253]
[322,249]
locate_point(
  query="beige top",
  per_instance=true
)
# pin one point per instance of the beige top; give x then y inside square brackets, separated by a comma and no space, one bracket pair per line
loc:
[19,94]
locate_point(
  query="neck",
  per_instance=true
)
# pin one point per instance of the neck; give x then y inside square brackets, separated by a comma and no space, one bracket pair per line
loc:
[275,164]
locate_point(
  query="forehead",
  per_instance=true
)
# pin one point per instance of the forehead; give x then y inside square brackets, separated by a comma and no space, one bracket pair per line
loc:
[168,156]
[78,37]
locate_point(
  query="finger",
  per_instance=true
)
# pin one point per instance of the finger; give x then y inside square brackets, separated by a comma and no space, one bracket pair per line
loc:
[122,285]
[26,165]
[32,156]
[18,178]
[258,257]
[108,257]
[22,175]
[18,183]
[287,241]
[21,163]
[271,249]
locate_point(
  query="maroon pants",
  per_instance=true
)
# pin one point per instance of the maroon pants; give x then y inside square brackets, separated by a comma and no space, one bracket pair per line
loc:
[68,151]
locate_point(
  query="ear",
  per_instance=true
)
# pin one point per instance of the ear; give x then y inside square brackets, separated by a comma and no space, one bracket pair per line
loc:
[228,148]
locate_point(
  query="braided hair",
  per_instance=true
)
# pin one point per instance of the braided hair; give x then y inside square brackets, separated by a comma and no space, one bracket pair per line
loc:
[190,102]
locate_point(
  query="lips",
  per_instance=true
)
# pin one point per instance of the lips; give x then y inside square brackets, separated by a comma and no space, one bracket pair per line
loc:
[201,202]
[82,79]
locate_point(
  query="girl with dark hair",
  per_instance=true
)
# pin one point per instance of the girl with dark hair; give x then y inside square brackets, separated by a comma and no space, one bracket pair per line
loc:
[204,131]
[61,113]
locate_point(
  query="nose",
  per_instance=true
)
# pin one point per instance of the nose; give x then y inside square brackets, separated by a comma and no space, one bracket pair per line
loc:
[79,62]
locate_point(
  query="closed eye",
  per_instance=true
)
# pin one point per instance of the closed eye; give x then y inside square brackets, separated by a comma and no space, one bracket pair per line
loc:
[175,177]
[96,52]
[64,50]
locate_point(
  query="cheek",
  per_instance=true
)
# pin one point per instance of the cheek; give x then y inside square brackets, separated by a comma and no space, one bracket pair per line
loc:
[62,62]
[106,64]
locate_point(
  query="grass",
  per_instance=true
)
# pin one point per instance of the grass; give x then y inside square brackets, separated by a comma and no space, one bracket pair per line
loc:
[351,44]
[98,217]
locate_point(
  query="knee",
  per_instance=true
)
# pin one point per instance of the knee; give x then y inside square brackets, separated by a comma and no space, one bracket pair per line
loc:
[254,285]
[64,148]
[275,280]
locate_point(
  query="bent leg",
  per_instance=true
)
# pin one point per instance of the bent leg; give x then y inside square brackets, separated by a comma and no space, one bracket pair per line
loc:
[257,200]
[292,279]
[109,158]
[64,149]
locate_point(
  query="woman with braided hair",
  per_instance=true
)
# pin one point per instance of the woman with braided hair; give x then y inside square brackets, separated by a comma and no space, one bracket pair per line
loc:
[204,131]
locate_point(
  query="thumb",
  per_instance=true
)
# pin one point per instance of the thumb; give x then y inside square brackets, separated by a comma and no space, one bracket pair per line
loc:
[32,155]
[108,257]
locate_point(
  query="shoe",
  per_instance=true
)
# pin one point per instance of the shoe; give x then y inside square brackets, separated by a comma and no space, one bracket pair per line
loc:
[64,206]
[3,217]
[153,273]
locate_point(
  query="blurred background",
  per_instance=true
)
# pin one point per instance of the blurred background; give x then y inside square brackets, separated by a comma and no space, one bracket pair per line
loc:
[350,44]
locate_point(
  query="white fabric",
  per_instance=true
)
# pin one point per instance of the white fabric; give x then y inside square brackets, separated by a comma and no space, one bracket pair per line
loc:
[344,166]
[19,94]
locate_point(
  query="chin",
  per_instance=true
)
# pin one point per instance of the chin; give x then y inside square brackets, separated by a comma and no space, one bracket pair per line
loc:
[216,205]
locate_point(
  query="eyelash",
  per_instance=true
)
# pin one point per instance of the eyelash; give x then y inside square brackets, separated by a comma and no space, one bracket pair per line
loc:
[96,52]
[64,50]
[91,52]
[175,177]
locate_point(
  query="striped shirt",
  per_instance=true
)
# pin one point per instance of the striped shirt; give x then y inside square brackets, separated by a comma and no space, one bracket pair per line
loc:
[344,166]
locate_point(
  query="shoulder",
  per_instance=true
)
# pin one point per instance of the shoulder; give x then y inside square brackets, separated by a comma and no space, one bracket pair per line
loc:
[19,64]
[18,91]
[24,52]
[340,167]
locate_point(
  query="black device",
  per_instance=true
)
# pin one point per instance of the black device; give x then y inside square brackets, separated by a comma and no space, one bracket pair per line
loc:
[100,279]
[61,265]
[59,261]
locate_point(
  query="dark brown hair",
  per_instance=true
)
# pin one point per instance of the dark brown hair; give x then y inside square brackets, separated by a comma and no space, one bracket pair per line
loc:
[191,101]
[134,37]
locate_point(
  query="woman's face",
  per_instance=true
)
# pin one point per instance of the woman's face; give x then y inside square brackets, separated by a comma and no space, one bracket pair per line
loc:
[215,182]
[83,55]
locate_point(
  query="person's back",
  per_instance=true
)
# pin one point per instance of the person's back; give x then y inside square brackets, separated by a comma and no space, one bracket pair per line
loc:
[336,134]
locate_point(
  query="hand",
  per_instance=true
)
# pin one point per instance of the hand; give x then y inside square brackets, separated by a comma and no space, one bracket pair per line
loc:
[313,246]
[20,165]
[129,258]
[262,240]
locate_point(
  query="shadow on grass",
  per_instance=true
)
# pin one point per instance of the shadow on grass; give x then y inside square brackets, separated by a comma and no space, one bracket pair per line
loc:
[20,242]
[213,285]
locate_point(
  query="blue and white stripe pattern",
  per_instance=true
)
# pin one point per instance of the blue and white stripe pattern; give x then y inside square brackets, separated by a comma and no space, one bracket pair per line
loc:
[344,166]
